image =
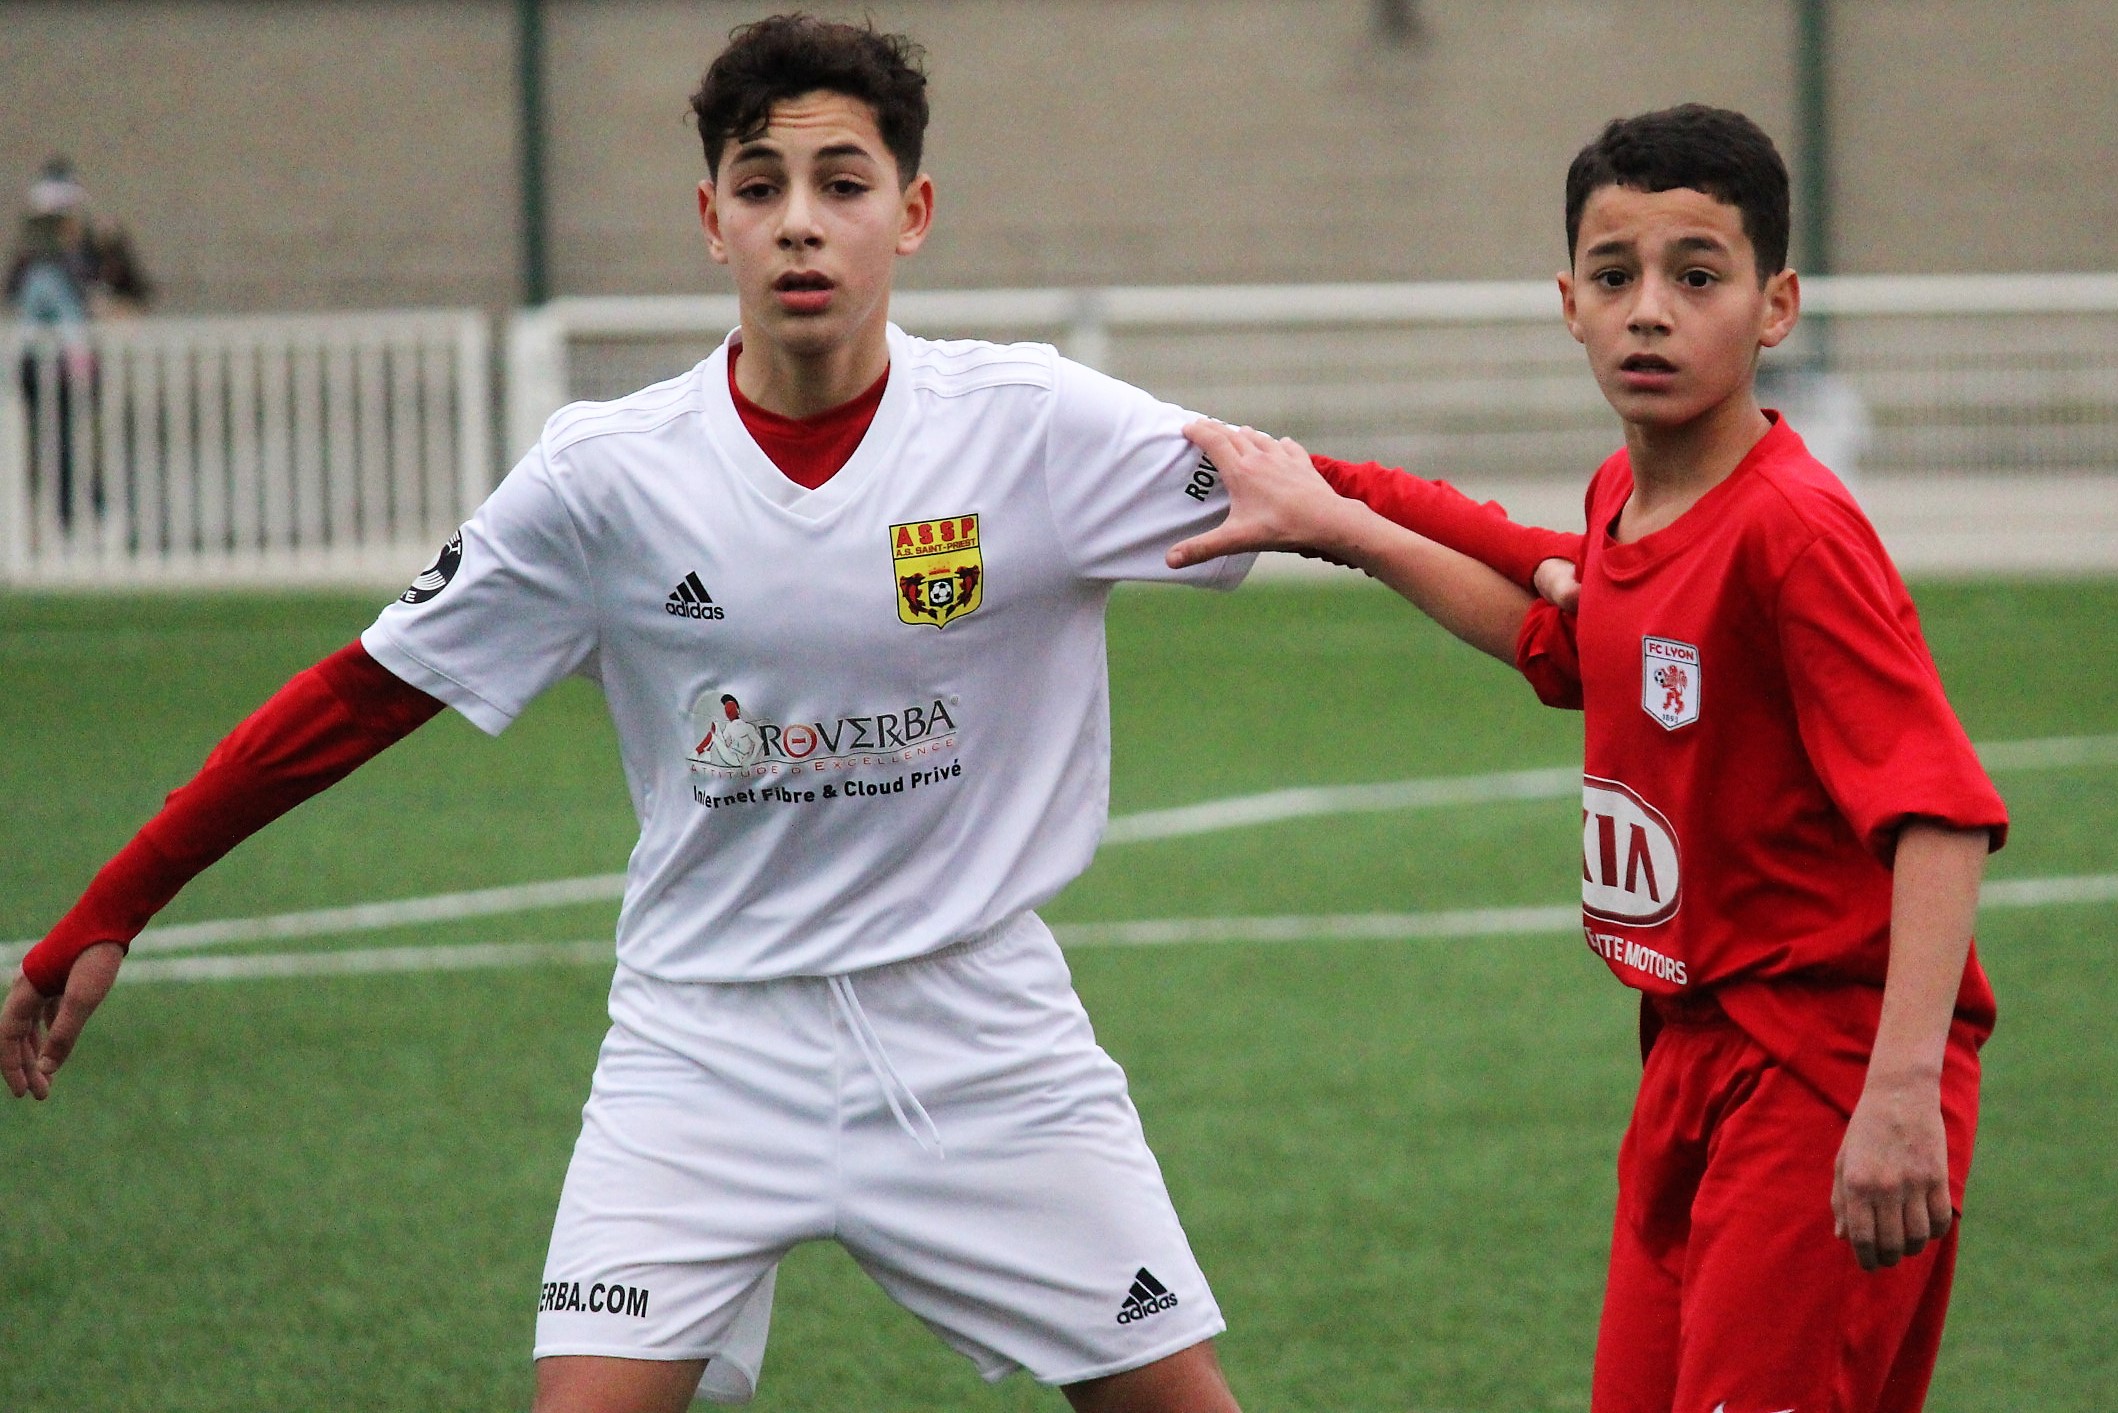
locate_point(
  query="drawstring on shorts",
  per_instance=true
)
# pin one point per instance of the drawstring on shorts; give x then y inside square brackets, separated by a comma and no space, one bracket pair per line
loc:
[911,1115]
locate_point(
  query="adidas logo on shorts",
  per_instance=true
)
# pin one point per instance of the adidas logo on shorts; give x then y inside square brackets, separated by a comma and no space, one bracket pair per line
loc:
[1147,1297]
[690,600]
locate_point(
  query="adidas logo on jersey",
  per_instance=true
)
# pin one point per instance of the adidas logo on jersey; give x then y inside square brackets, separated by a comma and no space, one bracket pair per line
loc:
[690,600]
[1147,1297]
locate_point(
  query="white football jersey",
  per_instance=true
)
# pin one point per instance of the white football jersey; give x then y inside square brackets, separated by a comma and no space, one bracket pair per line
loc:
[860,722]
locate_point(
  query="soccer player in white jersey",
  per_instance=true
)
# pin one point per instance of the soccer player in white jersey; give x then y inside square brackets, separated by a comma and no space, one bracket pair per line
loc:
[843,590]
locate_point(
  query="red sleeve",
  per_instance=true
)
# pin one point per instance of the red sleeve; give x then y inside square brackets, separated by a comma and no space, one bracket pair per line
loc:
[1446,515]
[1547,654]
[313,733]
[1877,727]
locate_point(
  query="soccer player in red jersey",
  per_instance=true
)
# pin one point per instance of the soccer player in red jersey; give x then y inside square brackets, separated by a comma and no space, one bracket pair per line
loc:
[1783,823]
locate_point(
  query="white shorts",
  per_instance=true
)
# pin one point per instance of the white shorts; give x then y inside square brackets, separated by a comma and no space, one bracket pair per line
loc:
[949,1120]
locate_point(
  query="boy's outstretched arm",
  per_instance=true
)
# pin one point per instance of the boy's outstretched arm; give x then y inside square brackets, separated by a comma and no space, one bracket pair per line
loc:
[1529,555]
[1890,1189]
[1277,501]
[314,732]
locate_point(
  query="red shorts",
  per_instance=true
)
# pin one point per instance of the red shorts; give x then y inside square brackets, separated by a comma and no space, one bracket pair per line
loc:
[1728,1292]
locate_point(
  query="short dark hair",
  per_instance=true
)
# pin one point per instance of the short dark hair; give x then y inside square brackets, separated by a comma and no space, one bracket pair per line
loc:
[788,55]
[1713,150]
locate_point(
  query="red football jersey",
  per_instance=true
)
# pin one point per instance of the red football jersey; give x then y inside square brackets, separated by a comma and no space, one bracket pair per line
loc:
[1762,715]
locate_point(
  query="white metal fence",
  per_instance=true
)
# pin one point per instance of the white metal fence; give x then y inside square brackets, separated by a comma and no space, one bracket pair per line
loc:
[277,449]
[1478,381]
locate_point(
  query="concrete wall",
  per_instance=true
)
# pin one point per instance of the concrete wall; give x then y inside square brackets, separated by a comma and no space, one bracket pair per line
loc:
[1978,135]
[298,155]
[273,156]
[1090,142]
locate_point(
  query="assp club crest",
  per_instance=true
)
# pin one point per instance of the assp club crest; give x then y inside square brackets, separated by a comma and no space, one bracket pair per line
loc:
[940,576]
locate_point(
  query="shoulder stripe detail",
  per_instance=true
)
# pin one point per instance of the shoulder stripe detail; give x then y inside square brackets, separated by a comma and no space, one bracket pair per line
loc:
[962,365]
[961,387]
[643,411]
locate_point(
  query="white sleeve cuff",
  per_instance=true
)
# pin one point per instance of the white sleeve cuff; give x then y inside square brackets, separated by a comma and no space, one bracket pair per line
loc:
[482,713]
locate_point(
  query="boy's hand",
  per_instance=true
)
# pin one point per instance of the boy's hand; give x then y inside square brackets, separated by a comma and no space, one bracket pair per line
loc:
[1557,582]
[1890,1187]
[29,1060]
[1276,499]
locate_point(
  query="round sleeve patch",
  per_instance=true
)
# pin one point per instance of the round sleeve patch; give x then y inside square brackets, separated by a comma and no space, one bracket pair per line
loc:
[435,577]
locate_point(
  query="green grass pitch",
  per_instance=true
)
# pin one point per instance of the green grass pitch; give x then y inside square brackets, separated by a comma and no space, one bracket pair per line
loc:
[1394,1157]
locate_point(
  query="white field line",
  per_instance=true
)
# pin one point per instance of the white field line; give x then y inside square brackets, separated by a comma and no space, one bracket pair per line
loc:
[1556,783]
[1327,927]
[1153,932]
[367,917]
[476,956]
[2049,753]
[1238,812]
[2048,892]
[1212,816]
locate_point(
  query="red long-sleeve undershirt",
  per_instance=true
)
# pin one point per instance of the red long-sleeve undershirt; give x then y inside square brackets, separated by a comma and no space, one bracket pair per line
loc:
[323,725]
[1446,515]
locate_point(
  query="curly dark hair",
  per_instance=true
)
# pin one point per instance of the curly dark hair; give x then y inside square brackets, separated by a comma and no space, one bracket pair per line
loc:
[788,55]
[1714,150]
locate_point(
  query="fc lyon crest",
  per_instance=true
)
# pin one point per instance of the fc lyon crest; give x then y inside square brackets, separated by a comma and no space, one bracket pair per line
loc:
[1669,681]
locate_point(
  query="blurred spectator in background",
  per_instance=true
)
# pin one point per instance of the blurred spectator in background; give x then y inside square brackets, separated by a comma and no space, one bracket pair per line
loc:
[54,264]
[64,266]
[64,272]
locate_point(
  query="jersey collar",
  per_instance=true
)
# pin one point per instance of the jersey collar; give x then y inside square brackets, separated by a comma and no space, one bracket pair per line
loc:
[1708,513]
[732,441]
